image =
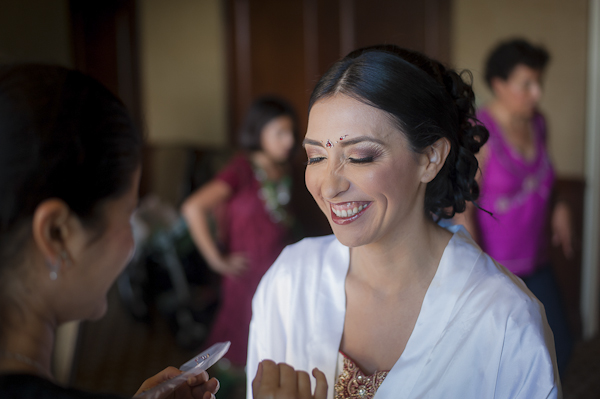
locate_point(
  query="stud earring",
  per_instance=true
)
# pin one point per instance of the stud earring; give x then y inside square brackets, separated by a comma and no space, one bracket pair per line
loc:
[434,156]
[55,267]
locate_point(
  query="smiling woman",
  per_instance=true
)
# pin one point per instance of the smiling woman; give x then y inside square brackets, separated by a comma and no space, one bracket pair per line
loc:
[394,305]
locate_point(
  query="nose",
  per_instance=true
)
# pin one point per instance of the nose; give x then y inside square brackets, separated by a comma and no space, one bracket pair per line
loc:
[289,140]
[536,92]
[334,183]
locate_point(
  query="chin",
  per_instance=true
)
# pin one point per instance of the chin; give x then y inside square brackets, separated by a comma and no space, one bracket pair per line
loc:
[99,312]
[348,238]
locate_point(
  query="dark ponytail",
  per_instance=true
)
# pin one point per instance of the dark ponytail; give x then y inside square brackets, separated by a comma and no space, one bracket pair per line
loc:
[427,102]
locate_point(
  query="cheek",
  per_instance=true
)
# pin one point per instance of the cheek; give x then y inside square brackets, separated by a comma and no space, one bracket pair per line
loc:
[124,247]
[312,182]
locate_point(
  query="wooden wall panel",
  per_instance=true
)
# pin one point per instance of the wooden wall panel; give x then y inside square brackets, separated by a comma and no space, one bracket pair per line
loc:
[283,47]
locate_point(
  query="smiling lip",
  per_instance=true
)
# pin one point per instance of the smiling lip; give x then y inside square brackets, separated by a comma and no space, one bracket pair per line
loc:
[348,212]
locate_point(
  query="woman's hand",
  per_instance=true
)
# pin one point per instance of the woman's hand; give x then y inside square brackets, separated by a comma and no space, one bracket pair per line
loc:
[280,381]
[561,229]
[197,387]
[231,265]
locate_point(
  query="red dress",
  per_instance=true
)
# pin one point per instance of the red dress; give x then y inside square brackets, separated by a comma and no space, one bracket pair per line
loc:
[246,228]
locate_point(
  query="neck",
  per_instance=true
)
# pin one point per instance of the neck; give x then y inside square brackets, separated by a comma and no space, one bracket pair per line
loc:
[27,342]
[509,120]
[274,170]
[408,260]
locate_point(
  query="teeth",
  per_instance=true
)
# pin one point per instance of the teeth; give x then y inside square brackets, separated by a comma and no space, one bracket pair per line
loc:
[344,213]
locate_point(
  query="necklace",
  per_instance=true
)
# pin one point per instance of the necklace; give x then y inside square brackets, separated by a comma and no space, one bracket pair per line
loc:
[25,360]
[275,196]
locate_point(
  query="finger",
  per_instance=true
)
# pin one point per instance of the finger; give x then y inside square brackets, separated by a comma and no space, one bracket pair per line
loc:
[168,373]
[257,379]
[287,378]
[270,374]
[321,387]
[304,390]
[198,379]
[211,387]
[164,375]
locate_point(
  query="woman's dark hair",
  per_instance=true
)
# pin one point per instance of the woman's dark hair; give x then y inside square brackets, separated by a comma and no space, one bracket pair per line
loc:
[262,111]
[62,135]
[503,59]
[427,102]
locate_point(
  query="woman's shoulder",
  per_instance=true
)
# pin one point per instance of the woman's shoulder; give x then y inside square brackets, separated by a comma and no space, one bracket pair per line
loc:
[301,266]
[494,286]
[484,116]
[310,251]
[237,171]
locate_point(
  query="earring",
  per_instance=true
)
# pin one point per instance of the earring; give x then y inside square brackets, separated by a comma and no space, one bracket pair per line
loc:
[55,267]
[434,156]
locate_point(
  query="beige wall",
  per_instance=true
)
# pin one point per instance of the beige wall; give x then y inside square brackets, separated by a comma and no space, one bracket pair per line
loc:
[183,71]
[35,31]
[559,25]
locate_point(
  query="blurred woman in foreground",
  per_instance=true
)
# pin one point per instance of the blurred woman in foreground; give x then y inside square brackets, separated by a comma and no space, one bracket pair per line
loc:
[70,160]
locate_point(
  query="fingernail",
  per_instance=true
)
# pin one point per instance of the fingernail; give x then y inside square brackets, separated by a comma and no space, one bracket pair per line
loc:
[192,380]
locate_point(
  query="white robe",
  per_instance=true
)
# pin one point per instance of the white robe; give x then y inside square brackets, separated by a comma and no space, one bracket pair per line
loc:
[480,332]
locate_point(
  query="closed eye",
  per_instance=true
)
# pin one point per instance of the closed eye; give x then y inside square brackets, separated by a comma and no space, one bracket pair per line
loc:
[314,160]
[361,160]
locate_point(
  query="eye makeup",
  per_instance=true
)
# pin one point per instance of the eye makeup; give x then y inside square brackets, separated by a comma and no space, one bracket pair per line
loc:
[364,152]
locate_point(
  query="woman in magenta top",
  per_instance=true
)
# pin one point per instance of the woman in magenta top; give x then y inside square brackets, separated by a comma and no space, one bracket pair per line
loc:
[517,181]
[251,196]
[517,191]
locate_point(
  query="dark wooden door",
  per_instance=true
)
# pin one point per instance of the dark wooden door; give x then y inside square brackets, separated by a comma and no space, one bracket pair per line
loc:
[282,47]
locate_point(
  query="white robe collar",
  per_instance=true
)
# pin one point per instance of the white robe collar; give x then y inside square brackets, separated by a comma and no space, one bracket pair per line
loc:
[436,310]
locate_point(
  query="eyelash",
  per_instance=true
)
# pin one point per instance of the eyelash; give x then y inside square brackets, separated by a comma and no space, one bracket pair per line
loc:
[361,160]
[314,160]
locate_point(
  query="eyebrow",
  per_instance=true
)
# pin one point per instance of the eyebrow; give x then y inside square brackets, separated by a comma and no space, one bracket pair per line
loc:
[345,142]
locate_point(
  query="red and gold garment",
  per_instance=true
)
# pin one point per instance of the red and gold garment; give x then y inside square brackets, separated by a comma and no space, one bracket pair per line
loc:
[352,383]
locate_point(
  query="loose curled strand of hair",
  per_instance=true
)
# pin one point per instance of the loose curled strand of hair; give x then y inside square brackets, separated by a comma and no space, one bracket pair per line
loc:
[457,177]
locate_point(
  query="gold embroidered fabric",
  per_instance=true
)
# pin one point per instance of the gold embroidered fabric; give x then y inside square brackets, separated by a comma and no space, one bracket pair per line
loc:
[354,384]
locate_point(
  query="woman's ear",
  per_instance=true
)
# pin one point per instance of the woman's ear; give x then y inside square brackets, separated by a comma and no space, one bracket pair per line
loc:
[435,155]
[50,229]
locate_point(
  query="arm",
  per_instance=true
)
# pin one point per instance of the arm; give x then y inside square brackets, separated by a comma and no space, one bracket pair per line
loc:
[562,230]
[528,368]
[196,210]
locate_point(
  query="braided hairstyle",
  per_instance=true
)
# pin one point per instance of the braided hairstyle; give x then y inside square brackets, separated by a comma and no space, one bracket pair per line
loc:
[427,102]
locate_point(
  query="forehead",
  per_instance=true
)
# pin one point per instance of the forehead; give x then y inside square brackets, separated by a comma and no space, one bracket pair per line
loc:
[341,114]
[523,72]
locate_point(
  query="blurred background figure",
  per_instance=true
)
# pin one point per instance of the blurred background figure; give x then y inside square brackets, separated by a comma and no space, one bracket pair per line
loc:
[249,199]
[517,181]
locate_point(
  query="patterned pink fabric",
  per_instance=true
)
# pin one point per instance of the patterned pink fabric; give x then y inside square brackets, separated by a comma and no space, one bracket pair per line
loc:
[247,229]
[518,193]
